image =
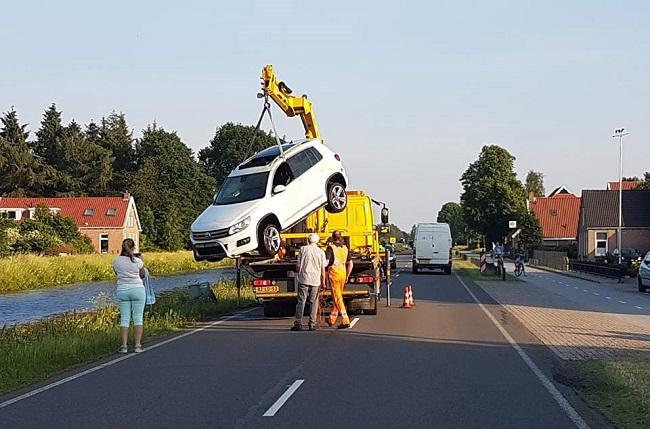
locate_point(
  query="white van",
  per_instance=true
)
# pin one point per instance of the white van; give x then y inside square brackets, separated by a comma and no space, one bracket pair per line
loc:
[432,247]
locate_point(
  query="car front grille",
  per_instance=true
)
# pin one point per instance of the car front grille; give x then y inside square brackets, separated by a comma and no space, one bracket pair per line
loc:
[210,235]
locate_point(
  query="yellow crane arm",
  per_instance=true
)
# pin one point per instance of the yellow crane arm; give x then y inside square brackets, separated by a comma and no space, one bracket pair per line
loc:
[290,105]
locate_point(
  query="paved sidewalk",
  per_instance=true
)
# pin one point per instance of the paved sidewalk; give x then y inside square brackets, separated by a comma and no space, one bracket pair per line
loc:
[572,330]
[585,276]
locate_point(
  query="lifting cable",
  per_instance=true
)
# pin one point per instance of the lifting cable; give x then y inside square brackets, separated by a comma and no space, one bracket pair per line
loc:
[266,109]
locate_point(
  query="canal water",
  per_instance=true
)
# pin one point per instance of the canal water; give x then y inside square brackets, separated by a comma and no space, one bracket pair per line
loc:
[32,305]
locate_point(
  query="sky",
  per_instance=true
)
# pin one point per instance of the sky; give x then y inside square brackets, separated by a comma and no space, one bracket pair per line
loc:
[406,92]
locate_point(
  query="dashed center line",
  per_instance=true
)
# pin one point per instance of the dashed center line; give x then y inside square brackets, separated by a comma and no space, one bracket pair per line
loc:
[354,322]
[585,290]
[640,308]
[622,302]
[596,293]
[608,297]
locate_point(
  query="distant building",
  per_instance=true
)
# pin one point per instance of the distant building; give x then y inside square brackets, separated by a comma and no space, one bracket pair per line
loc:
[599,222]
[106,220]
[558,215]
[628,185]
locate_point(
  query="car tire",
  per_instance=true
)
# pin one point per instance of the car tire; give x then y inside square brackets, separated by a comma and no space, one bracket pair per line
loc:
[642,287]
[337,198]
[415,269]
[372,310]
[448,270]
[269,239]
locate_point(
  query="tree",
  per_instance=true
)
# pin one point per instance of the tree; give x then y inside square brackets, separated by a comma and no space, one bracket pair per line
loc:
[48,137]
[86,168]
[231,145]
[171,185]
[21,173]
[531,235]
[452,213]
[115,136]
[645,183]
[535,183]
[492,194]
[11,129]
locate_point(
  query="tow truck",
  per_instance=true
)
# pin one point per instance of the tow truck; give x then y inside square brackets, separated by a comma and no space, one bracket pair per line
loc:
[274,281]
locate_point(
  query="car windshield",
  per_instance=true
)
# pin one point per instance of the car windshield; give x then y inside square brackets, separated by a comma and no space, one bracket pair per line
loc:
[239,189]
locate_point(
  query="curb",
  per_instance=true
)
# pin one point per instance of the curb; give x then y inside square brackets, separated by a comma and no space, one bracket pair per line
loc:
[565,273]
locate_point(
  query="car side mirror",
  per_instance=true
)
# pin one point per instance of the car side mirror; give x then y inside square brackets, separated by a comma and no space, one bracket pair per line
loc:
[384,215]
[279,189]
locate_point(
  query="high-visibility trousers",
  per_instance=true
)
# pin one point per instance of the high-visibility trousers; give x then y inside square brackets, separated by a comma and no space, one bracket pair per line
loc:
[337,283]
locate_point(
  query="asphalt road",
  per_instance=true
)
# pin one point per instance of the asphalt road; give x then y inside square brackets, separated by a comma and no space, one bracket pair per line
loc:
[442,364]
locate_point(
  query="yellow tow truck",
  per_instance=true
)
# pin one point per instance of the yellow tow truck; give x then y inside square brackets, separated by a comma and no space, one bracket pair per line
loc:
[274,282]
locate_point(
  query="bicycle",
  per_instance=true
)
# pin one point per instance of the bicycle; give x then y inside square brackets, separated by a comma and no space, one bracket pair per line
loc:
[519,268]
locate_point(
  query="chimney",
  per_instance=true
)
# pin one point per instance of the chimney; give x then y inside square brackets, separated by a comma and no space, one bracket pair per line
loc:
[126,196]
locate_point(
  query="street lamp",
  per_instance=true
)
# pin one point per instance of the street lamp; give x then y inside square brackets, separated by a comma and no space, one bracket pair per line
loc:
[620,133]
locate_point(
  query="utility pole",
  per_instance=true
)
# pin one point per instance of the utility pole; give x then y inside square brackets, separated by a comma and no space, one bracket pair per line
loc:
[620,133]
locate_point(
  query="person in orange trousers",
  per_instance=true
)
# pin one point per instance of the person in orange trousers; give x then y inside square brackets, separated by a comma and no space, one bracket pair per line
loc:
[338,271]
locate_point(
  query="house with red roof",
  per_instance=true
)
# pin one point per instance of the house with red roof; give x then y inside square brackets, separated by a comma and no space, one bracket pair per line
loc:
[558,215]
[105,220]
[628,185]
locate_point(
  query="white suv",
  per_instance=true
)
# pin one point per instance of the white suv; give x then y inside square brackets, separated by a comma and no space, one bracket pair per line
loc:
[644,274]
[267,194]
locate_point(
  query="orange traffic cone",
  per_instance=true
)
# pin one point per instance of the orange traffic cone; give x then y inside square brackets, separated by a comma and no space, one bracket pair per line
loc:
[411,301]
[406,303]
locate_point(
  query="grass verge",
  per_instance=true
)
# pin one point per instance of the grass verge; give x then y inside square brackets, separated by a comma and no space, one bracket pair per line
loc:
[467,269]
[25,272]
[619,388]
[36,351]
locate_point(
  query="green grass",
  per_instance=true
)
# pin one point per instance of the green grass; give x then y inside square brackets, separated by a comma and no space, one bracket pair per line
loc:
[36,351]
[620,389]
[467,269]
[25,272]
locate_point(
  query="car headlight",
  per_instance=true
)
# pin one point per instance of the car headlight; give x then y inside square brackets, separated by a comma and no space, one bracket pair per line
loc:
[240,226]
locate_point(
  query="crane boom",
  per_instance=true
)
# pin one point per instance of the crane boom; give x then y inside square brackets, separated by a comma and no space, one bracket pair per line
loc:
[290,104]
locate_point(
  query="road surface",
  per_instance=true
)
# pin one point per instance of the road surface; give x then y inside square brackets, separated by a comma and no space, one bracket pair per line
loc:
[442,364]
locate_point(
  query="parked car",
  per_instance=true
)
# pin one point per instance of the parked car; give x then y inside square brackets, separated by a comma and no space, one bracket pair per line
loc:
[267,194]
[644,273]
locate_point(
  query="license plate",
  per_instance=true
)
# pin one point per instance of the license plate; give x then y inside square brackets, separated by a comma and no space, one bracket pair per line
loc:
[424,261]
[267,289]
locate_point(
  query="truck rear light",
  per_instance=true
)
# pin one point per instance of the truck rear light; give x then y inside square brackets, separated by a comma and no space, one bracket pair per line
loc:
[262,282]
[364,279]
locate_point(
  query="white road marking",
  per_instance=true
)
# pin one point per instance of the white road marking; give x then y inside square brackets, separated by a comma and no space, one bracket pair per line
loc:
[640,308]
[550,387]
[396,275]
[585,290]
[622,302]
[596,293]
[575,287]
[114,361]
[354,322]
[608,297]
[282,399]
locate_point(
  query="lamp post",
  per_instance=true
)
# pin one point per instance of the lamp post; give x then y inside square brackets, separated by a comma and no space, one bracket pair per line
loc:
[620,133]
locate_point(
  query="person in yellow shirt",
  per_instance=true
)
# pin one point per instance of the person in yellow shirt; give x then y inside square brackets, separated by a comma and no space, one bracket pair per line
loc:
[339,267]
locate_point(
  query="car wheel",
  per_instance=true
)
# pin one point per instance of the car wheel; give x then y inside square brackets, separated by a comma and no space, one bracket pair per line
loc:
[269,239]
[337,198]
[642,288]
[448,270]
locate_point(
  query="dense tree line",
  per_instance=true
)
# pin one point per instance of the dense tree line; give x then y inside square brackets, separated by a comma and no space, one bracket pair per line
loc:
[170,185]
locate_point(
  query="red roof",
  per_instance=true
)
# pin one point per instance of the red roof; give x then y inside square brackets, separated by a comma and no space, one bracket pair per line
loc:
[628,185]
[87,212]
[558,215]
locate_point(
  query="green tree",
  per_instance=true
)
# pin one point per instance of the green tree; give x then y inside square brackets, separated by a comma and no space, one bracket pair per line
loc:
[645,183]
[535,183]
[231,145]
[169,176]
[531,235]
[21,173]
[492,194]
[48,137]
[86,168]
[11,129]
[452,213]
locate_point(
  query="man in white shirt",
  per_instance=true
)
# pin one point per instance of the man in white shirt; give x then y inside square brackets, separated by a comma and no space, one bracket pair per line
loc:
[311,276]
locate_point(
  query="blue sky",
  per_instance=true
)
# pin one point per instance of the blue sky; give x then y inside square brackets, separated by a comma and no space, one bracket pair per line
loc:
[407,92]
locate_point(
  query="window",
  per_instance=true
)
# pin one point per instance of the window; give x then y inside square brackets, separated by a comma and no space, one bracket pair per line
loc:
[299,163]
[111,212]
[601,244]
[553,212]
[283,175]
[89,212]
[314,155]
[103,243]
[239,189]
[265,157]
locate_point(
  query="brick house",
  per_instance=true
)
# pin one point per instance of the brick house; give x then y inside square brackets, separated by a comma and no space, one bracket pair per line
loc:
[598,227]
[558,215]
[106,220]
[628,185]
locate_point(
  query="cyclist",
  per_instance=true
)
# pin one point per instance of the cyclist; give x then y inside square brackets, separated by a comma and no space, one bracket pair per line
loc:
[497,253]
[520,263]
